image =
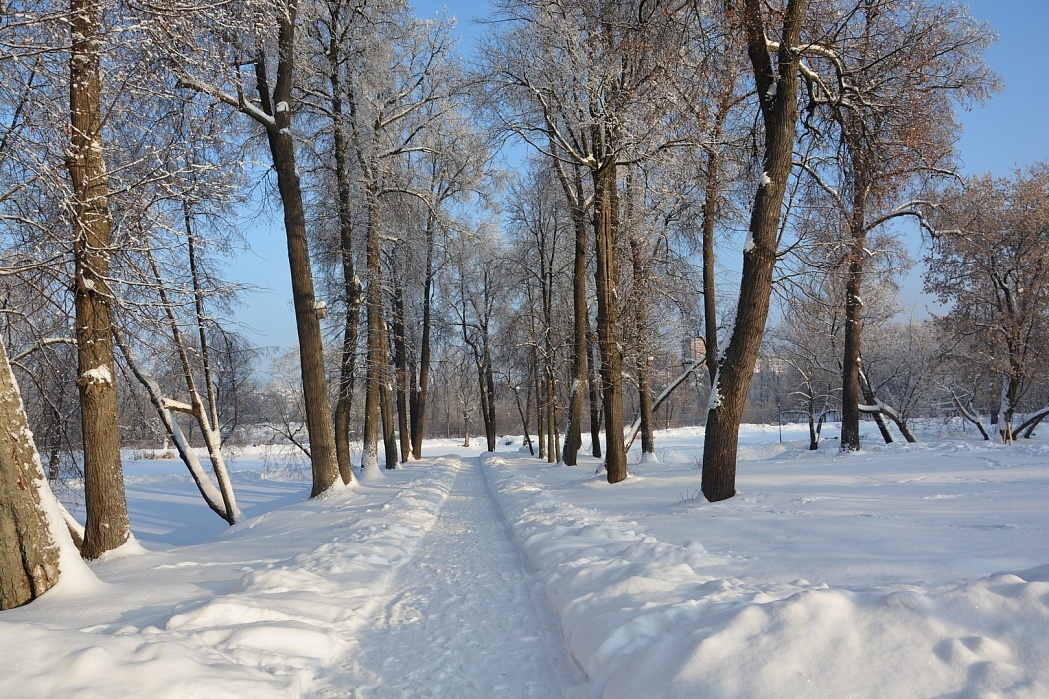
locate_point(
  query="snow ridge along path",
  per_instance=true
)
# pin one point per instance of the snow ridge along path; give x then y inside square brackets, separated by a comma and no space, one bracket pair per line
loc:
[408,586]
[465,617]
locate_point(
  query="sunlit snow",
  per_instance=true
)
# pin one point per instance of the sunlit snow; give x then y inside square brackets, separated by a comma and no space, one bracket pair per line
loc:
[901,570]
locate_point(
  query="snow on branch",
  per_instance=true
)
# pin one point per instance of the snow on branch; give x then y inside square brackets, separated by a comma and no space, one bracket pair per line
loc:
[237,101]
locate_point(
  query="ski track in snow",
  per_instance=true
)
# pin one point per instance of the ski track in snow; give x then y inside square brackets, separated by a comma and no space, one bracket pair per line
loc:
[464,617]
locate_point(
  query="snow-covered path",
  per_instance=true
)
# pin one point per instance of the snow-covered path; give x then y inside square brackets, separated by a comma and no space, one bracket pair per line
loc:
[464,617]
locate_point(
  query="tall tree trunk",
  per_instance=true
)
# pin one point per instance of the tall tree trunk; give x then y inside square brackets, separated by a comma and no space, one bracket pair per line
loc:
[376,359]
[710,311]
[400,347]
[421,390]
[347,364]
[29,553]
[780,114]
[389,438]
[489,378]
[573,435]
[351,285]
[850,365]
[594,392]
[606,277]
[319,421]
[311,349]
[107,525]
[644,378]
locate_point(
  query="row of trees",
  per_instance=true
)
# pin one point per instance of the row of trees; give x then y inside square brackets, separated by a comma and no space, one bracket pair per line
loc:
[136,131]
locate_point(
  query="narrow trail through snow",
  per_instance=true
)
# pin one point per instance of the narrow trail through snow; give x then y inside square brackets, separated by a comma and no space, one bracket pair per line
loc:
[464,618]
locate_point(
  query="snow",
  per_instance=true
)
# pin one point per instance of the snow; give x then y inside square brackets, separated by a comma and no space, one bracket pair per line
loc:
[901,570]
[98,375]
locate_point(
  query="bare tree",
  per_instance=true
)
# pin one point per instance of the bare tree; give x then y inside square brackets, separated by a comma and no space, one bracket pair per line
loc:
[591,80]
[107,524]
[476,300]
[261,35]
[989,262]
[880,90]
[401,67]
[777,93]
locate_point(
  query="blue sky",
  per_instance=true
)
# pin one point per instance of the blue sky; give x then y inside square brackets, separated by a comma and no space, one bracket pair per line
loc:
[1011,131]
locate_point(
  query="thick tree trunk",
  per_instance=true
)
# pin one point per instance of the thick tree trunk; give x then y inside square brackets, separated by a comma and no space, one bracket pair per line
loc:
[107,524]
[311,348]
[573,435]
[347,362]
[606,277]
[485,385]
[850,366]
[780,114]
[376,358]
[319,422]
[29,553]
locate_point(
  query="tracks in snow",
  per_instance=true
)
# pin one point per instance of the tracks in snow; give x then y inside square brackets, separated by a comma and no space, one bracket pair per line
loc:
[463,617]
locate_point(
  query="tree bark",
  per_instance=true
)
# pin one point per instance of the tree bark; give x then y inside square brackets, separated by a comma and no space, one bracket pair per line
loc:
[376,358]
[779,114]
[421,390]
[489,377]
[710,314]
[351,285]
[850,365]
[319,423]
[573,435]
[644,378]
[606,277]
[389,439]
[594,392]
[28,552]
[107,525]
[400,347]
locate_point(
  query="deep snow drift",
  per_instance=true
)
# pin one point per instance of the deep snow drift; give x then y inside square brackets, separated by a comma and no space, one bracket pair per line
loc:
[902,571]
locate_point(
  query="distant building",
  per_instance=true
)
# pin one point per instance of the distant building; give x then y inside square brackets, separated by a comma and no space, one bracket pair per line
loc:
[693,349]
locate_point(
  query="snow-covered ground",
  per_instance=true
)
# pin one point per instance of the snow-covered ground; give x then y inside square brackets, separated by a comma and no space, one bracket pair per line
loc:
[902,571]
